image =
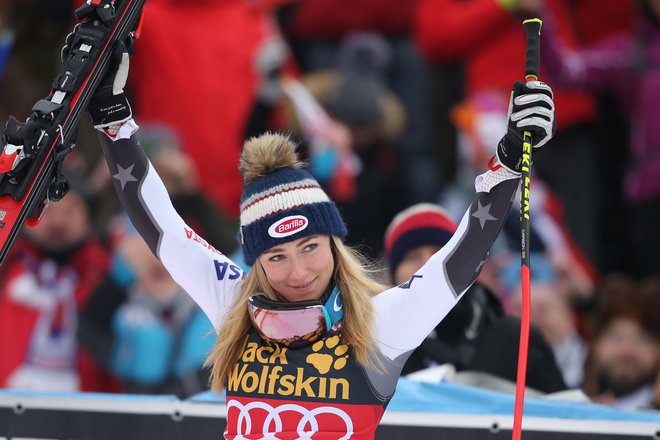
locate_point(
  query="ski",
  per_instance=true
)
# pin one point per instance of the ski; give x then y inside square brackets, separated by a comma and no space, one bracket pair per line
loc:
[32,152]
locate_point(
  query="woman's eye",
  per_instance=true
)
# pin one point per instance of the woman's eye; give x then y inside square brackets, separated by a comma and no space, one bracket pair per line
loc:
[276,258]
[310,247]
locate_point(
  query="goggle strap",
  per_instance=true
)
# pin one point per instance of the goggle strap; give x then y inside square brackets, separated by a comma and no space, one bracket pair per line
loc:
[334,307]
[328,320]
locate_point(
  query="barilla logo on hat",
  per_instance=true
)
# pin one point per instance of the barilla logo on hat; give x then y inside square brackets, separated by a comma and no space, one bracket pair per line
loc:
[288,226]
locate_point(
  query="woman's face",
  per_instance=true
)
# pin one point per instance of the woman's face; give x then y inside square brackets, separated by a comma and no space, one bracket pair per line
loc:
[300,270]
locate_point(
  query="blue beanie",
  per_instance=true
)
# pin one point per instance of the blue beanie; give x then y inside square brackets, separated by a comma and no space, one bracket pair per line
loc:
[282,206]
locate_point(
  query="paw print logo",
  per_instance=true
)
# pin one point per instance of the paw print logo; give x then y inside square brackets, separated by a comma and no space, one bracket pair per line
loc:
[335,359]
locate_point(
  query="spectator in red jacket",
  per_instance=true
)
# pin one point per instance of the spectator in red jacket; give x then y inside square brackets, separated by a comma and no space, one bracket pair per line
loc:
[625,65]
[45,281]
[213,52]
[487,36]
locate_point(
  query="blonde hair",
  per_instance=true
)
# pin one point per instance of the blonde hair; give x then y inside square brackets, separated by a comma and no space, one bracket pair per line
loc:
[355,278]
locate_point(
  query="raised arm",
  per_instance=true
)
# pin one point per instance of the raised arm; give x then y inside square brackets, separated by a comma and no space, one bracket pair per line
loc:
[407,313]
[206,274]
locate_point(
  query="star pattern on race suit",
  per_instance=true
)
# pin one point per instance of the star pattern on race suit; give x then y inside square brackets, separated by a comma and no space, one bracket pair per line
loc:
[483,214]
[124,175]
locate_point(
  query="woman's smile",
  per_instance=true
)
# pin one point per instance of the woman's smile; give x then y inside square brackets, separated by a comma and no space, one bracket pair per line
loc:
[303,286]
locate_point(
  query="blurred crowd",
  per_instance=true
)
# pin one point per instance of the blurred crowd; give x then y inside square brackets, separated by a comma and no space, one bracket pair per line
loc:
[398,105]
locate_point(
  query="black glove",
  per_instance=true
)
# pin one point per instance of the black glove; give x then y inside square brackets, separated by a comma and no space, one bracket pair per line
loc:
[109,105]
[530,109]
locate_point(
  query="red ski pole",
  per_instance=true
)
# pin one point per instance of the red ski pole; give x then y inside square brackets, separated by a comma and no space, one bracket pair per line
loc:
[533,31]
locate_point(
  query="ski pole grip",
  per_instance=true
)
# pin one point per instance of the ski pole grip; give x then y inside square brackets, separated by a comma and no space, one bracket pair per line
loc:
[533,54]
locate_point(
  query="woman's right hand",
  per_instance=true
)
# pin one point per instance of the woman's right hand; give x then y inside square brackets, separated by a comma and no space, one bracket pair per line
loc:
[109,105]
[531,109]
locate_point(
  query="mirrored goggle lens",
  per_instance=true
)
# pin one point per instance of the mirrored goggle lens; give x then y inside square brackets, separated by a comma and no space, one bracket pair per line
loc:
[293,328]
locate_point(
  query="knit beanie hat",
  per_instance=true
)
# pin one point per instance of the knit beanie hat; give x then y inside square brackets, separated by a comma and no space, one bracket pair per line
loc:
[359,99]
[419,225]
[281,202]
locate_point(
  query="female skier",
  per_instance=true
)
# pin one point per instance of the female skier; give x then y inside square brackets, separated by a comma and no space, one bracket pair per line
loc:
[308,345]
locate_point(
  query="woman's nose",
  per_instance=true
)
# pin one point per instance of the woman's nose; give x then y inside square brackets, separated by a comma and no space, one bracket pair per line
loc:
[298,270]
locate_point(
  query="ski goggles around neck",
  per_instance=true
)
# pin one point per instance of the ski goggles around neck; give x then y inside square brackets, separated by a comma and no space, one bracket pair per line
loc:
[295,324]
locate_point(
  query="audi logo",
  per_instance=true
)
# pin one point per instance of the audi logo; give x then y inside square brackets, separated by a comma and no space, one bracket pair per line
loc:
[274,419]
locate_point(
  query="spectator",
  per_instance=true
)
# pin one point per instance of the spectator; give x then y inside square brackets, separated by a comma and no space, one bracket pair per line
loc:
[624,63]
[147,330]
[487,36]
[552,313]
[316,30]
[216,58]
[357,96]
[598,19]
[476,335]
[179,175]
[562,281]
[623,363]
[47,278]
[36,31]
